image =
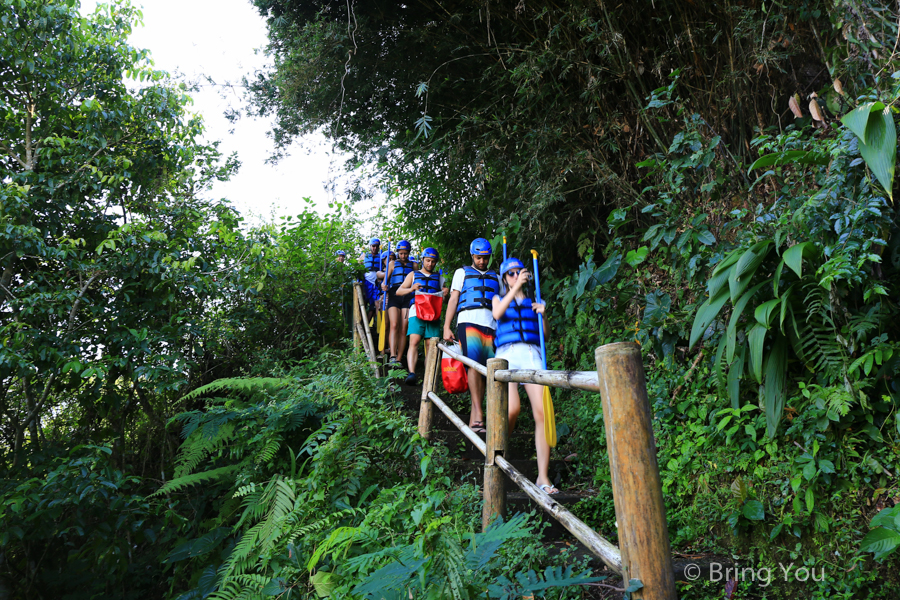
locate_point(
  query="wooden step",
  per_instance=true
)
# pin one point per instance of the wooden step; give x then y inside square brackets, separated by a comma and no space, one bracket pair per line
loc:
[521,444]
[518,501]
[472,471]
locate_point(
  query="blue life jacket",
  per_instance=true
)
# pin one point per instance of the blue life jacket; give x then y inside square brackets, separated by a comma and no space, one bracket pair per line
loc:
[372,263]
[430,284]
[478,289]
[518,324]
[399,273]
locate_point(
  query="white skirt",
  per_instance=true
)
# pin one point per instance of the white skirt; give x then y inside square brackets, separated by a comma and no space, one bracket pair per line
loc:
[521,355]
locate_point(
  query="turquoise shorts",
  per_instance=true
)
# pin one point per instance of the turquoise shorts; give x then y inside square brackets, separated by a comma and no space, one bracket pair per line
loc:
[426,329]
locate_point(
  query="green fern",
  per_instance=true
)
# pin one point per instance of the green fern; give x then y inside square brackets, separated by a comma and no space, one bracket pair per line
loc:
[241,385]
[180,483]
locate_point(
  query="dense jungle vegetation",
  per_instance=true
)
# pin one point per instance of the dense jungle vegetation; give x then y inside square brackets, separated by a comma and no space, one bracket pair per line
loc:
[180,413]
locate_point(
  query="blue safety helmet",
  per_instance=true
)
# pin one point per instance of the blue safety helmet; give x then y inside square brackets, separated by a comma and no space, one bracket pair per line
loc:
[384,254]
[480,247]
[404,245]
[340,253]
[374,242]
[506,265]
[510,263]
[431,253]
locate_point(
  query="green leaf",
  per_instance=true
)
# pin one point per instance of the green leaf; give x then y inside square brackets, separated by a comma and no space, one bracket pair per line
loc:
[746,267]
[753,510]
[763,312]
[757,338]
[873,124]
[736,313]
[789,157]
[735,373]
[775,387]
[810,499]
[324,583]
[785,306]
[608,269]
[793,256]
[636,257]
[887,517]
[873,432]
[880,541]
[857,119]
[721,273]
[826,466]
[880,148]
[809,470]
[275,587]
[706,237]
[706,314]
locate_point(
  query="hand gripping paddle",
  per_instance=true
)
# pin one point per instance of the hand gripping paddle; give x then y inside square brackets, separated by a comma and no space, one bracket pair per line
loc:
[549,415]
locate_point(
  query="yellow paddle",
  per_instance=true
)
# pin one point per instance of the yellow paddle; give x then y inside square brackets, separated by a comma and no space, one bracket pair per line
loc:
[382,324]
[549,414]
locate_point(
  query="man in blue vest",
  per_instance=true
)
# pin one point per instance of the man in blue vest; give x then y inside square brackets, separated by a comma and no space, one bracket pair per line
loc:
[398,307]
[371,261]
[471,295]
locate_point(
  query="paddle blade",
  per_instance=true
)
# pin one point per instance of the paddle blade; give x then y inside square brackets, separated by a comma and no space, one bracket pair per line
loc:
[382,326]
[549,419]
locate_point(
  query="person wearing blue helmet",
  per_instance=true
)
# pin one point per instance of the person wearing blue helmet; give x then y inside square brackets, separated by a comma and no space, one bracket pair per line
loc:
[341,256]
[371,262]
[471,293]
[422,282]
[519,342]
[398,306]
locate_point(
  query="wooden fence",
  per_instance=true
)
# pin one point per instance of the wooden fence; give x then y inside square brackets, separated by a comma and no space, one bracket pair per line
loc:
[644,551]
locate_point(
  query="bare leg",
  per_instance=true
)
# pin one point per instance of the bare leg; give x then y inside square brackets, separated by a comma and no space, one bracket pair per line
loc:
[403,325]
[536,397]
[476,390]
[515,405]
[394,339]
[412,354]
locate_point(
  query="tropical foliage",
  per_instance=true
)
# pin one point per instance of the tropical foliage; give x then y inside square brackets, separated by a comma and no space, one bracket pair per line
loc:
[178,413]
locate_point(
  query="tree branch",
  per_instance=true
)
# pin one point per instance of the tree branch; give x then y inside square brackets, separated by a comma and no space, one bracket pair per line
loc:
[13,155]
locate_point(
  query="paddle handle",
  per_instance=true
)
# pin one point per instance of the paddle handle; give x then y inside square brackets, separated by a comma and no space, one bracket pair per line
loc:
[386,275]
[537,293]
[504,247]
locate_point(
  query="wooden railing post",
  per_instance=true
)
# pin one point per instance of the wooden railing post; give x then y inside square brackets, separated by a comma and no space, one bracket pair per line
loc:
[637,490]
[497,440]
[426,408]
[357,341]
[366,333]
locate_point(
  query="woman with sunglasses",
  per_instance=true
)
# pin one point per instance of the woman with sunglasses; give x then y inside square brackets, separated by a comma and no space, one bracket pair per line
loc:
[518,341]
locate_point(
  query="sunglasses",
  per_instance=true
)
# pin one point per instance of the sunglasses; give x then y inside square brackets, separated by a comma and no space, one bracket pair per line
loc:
[513,273]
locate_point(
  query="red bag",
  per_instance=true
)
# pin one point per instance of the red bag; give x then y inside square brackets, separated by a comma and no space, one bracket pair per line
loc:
[453,373]
[428,306]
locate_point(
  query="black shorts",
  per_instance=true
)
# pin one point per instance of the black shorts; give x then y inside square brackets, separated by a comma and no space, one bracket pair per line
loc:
[395,301]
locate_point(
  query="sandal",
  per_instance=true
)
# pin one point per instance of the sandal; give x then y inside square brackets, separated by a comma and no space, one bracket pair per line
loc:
[478,427]
[548,489]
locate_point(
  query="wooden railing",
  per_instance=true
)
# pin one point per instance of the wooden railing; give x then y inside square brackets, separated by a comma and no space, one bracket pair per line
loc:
[637,490]
[362,334]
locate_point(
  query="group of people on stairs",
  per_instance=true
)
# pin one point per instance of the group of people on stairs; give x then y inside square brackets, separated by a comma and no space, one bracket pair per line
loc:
[494,317]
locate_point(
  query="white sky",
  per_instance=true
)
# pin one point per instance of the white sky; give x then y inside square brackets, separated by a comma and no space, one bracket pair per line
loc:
[220,38]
